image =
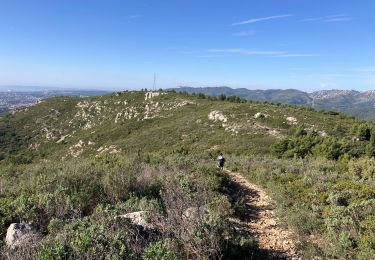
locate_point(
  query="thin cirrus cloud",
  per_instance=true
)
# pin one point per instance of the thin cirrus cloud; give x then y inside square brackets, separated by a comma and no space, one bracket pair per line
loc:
[290,55]
[244,33]
[336,18]
[246,52]
[134,16]
[262,19]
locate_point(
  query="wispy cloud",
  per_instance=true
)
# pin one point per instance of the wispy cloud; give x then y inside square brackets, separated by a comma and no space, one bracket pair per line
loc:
[209,56]
[290,55]
[262,19]
[312,19]
[335,18]
[246,52]
[134,16]
[244,33]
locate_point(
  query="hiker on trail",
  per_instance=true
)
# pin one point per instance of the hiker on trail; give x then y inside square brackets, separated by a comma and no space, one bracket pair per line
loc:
[220,161]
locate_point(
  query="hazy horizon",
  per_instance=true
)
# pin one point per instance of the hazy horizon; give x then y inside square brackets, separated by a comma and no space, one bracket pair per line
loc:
[52,88]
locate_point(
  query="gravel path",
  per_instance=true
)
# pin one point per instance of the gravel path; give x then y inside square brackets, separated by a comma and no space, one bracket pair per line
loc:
[260,222]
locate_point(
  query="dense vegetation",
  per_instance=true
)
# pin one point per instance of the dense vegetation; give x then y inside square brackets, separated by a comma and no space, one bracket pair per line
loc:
[72,166]
[77,204]
[324,189]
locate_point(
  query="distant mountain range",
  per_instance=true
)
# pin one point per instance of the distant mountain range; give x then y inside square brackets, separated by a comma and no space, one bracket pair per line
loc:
[351,102]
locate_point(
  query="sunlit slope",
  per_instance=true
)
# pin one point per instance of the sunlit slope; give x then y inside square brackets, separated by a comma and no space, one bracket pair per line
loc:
[121,122]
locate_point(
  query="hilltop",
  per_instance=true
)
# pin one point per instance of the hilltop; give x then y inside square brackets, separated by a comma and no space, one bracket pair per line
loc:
[132,175]
[154,121]
[351,102]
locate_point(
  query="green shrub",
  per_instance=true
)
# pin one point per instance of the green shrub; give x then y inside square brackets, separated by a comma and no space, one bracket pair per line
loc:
[52,252]
[160,250]
[362,169]
[364,132]
[55,226]
[7,214]
[331,148]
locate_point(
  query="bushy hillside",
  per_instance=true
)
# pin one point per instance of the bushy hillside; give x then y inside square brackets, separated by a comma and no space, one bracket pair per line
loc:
[66,127]
[73,166]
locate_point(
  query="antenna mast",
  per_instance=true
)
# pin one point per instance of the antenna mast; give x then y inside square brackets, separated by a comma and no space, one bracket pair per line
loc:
[154,86]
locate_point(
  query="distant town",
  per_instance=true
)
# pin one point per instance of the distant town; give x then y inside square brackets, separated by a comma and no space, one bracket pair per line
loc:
[10,100]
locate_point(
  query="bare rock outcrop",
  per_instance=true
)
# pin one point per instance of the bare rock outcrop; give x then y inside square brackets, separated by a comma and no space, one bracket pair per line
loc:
[217,116]
[137,218]
[292,120]
[21,234]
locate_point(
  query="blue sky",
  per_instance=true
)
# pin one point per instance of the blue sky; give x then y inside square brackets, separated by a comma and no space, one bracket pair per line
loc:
[304,44]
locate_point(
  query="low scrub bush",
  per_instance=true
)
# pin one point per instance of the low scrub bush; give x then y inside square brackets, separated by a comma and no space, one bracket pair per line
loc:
[329,203]
[75,206]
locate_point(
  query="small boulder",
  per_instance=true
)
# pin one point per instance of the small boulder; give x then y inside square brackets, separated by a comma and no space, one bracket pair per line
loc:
[260,115]
[292,120]
[217,116]
[19,234]
[137,218]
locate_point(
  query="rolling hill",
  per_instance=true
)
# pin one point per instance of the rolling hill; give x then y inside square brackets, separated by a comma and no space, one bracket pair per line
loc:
[159,121]
[83,172]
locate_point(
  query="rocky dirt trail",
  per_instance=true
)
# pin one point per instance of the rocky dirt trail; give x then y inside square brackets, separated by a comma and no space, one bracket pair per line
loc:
[258,220]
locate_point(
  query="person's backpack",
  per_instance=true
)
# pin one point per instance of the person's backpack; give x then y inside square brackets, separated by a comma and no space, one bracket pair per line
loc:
[221,161]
